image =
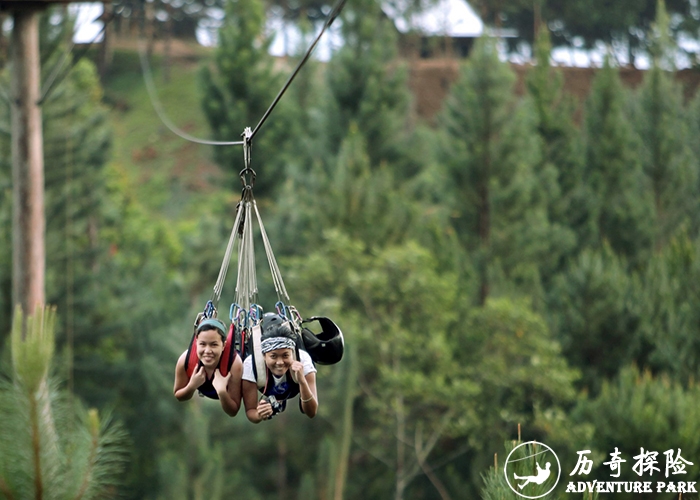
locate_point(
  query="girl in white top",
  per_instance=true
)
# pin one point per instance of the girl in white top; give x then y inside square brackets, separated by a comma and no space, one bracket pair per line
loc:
[286,376]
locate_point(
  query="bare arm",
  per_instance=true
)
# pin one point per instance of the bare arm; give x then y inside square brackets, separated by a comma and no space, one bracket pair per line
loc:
[230,392]
[185,387]
[307,390]
[254,410]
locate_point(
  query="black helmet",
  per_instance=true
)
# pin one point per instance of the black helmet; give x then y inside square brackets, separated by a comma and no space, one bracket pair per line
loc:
[274,325]
[325,348]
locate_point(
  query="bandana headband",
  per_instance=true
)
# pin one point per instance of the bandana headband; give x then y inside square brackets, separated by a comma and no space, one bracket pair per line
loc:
[275,343]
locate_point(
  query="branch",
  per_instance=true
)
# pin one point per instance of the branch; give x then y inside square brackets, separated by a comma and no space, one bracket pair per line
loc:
[36,447]
[423,452]
[434,480]
[376,457]
[452,456]
[5,490]
[95,431]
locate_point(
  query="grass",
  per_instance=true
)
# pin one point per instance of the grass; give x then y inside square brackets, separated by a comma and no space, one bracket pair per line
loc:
[169,175]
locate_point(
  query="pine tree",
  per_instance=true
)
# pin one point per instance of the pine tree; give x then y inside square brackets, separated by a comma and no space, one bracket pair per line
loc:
[500,210]
[595,317]
[51,447]
[561,168]
[665,296]
[639,410]
[238,90]
[621,208]
[368,90]
[666,156]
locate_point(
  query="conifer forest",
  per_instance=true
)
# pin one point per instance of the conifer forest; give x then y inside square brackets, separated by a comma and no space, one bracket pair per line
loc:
[519,265]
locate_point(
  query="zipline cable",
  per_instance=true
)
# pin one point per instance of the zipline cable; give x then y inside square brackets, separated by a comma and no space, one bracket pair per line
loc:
[148,78]
[331,17]
[150,87]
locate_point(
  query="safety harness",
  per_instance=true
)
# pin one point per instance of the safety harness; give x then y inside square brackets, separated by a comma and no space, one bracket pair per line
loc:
[228,356]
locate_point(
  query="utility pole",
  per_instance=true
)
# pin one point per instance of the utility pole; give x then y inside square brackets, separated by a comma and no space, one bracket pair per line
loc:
[28,219]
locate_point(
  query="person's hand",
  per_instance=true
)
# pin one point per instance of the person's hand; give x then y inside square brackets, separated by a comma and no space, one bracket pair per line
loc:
[220,382]
[264,410]
[297,371]
[198,377]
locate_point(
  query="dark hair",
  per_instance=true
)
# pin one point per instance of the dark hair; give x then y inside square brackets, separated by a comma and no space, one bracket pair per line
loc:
[212,324]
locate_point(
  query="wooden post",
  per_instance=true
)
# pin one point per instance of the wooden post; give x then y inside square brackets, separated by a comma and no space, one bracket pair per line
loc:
[28,222]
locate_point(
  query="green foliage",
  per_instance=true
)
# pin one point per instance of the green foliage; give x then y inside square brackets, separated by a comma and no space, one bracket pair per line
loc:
[501,200]
[198,471]
[368,90]
[638,410]
[667,295]
[665,151]
[238,91]
[384,226]
[50,446]
[518,366]
[593,310]
[620,205]
[406,364]
[362,199]
[561,169]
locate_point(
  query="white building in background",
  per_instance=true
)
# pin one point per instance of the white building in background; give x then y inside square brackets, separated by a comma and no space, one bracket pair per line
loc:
[446,19]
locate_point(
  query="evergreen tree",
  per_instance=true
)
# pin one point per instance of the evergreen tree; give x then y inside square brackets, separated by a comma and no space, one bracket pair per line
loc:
[621,208]
[99,237]
[665,295]
[238,91]
[51,447]
[560,171]
[637,410]
[368,90]
[665,150]
[595,316]
[500,211]
[520,371]
[411,402]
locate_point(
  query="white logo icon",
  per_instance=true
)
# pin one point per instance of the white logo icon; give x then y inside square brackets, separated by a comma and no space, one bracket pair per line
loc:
[534,458]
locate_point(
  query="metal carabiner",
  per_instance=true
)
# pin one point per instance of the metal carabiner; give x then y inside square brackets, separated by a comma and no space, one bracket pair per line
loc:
[209,310]
[255,314]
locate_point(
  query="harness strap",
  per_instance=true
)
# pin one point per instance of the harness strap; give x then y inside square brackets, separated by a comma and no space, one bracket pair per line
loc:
[280,289]
[258,358]
[227,256]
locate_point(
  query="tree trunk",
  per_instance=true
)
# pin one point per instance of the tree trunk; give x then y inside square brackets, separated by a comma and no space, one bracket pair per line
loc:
[167,44]
[281,460]
[484,209]
[28,220]
[3,42]
[401,473]
[149,28]
[537,17]
[346,438]
[106,47]
[484,240]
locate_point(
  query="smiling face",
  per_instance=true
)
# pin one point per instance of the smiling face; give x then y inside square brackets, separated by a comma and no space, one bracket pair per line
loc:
[209,348]
[279,361]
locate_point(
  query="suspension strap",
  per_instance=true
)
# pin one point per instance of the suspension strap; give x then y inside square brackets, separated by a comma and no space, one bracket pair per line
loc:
[280,289]
[216,295]
[259,358]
